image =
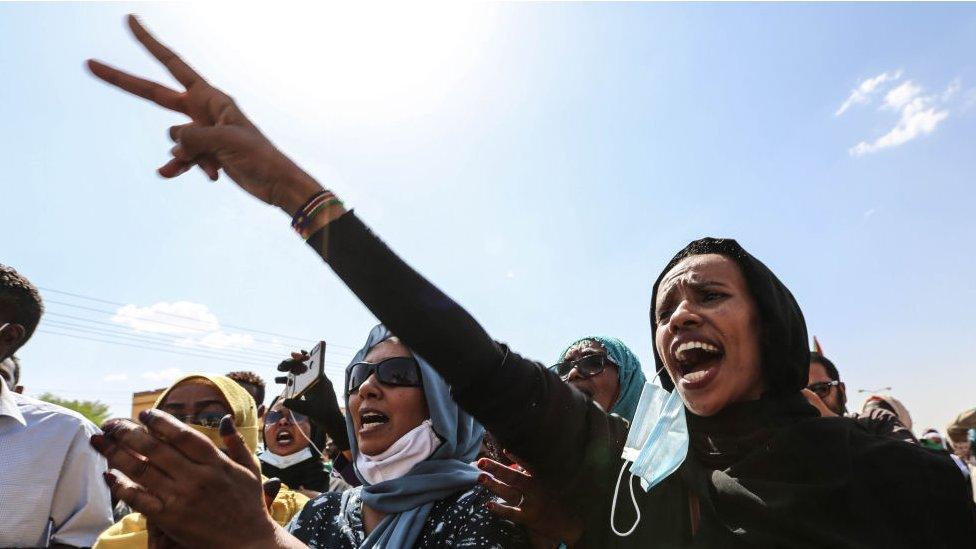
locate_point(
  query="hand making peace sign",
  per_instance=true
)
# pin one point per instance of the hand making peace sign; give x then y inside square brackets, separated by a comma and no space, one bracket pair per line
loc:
[218,136]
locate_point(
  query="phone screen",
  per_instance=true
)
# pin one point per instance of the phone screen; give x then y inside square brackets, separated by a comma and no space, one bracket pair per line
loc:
[297,384]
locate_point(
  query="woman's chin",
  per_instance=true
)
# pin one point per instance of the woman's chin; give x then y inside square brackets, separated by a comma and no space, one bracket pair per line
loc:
[703,406]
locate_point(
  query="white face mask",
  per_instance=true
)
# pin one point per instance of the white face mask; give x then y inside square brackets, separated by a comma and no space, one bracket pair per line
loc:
[656,446]
[283,462]
[413,447]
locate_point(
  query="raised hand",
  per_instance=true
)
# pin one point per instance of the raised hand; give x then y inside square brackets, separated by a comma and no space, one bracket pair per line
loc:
[319,403]
[191,493]
[218,136]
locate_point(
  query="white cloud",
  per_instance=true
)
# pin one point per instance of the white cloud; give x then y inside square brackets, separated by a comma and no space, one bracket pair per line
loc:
[902,95]
[869,213]
[862,93]
[179,317]
[952,89]
[194,321]
[919,116]
[167,375]
[217,340]
[115,377]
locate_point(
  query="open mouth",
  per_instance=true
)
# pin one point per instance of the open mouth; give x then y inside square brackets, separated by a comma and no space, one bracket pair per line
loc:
[370,420]
[697,361]
[284,438]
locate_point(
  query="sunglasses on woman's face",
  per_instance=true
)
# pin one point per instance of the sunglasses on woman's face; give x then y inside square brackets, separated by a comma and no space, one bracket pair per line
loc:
[587,366]
[203,419]
[822,388]
[274,416]
[397,371]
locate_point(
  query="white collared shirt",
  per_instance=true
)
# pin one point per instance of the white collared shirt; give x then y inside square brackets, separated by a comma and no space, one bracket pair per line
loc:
[51,485]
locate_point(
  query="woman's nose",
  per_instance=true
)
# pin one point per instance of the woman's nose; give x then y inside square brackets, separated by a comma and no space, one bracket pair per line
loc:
[573,374]
[370,388]
[684,316]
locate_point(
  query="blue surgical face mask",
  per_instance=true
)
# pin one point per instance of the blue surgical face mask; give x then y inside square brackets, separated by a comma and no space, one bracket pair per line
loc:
[657,444]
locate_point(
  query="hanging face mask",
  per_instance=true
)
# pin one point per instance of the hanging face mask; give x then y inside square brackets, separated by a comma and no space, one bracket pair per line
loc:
[657,444]
[415,446]
[284,462]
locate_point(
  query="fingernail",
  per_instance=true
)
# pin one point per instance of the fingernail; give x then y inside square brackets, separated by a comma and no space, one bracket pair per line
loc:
[490,505]
[271,487]
[482,479]
[227,425]
[97,442]
[145,415]
[482,463]
[109,477]
[110,427]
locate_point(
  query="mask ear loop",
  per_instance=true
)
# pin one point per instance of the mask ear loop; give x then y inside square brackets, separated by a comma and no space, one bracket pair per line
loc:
[657,374]
[630,483]
[633,499]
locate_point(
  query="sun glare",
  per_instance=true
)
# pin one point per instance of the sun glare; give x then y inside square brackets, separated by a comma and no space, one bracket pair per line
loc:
[357,62]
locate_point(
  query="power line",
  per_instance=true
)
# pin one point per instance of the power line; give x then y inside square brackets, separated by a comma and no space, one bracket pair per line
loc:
[269,353]
[155,339]
[236,327]
[249,363]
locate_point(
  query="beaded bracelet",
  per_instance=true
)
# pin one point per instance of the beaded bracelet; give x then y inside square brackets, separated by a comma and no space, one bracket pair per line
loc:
[315,205]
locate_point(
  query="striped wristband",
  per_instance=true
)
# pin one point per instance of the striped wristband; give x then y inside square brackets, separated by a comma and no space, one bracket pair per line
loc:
[315,205]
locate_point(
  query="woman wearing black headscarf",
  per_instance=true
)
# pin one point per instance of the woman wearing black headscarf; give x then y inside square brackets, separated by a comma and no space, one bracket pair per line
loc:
[762,468]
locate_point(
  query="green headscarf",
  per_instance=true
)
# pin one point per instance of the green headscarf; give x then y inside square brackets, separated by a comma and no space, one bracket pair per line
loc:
[629,373]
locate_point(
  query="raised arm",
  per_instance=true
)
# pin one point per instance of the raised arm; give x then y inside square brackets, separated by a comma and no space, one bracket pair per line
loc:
[530,410]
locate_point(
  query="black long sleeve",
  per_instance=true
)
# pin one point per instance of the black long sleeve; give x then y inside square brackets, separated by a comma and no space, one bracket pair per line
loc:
[551,426]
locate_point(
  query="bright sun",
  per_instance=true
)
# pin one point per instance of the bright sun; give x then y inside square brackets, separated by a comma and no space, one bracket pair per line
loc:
[362,62]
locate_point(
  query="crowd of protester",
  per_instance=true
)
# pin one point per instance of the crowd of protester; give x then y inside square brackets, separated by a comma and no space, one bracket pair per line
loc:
[446,437]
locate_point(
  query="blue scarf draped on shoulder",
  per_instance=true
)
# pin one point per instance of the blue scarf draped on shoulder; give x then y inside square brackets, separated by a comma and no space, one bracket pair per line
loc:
[407,500]
[629,373]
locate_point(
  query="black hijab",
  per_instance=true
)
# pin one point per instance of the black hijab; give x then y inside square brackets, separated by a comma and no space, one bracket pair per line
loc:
[783,337]
[771,472]
[312,473]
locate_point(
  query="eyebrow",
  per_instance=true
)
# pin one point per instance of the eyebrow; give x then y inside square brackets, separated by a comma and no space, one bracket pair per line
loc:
[202,403]
[198,404]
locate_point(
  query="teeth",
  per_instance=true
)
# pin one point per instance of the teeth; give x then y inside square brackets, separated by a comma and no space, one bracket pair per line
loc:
[689,345]
[371,417]
[696,376]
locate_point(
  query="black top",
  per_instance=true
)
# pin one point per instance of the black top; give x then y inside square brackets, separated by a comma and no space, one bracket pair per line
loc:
[461,520]
[767,473]
[310,474]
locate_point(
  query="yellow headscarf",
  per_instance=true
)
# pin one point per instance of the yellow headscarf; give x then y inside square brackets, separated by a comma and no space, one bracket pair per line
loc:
[131,533]
[241,407]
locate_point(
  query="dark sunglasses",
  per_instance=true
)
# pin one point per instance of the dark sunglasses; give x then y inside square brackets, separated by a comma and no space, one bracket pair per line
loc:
[203,419]
[274,416]
[587,366]
[822,388]
[397,371]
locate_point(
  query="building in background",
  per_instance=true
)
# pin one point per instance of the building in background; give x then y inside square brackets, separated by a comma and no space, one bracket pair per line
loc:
[144,400]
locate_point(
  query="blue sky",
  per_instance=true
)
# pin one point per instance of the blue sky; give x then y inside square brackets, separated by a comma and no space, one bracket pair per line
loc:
[539,162]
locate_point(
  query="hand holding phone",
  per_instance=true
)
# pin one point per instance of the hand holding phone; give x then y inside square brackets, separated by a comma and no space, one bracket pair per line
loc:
[314,398]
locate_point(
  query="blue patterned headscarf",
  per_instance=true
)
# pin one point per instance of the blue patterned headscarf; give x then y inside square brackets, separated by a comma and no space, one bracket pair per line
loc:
[629,373]
[407,500]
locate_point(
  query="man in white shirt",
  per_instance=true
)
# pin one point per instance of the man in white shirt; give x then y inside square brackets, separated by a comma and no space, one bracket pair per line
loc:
[51,487]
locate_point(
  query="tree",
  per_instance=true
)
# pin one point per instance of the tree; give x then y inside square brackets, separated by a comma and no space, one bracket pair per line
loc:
[95,411]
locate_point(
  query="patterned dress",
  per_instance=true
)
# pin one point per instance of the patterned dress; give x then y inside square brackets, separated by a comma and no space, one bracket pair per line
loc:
[461,520]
